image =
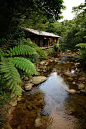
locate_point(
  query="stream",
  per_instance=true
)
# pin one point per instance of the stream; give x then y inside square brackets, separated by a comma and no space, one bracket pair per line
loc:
[61,110]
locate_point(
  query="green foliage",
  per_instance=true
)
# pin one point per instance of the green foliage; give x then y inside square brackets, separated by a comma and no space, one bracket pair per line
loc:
[40,53]
[16,13]
[80,19]
[82,51]
[11,76]
[50,52]
[21,50]
[56,47]
[24,64]
[53,51]
[70,39]
[36,21]
[81,45]
[13,14]
[57,28]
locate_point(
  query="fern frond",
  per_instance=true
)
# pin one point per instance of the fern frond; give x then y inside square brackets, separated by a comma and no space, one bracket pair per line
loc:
[81,45]
[1,54]
[21,50]
[11,76]
[41,52]
[24,64]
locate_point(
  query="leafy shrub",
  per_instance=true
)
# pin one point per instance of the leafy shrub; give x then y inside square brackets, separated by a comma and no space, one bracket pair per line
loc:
[11,77]
[50,52]
[42,54]
[56,47]
[82,50]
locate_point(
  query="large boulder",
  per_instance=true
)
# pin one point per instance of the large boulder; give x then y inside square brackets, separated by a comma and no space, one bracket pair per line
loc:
[38,79]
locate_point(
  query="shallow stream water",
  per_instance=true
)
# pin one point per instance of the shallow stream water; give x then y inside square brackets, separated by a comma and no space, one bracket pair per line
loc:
[66,111]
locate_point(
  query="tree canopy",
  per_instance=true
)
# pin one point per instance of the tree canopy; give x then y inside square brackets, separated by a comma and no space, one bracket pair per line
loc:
[13,13]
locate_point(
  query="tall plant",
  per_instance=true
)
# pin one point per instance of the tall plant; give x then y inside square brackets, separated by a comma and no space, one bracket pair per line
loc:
[82,51]
[10,61]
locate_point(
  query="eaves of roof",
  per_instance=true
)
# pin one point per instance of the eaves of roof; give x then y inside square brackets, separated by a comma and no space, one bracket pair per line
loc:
[41,33]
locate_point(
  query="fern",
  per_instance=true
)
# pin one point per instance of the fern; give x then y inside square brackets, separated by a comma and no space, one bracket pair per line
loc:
[41,52]
[21,50]
[82,51]
[50,51]
[11,76]
[24,64]
[56,47]
[29,42]
[1,54]
[81,45]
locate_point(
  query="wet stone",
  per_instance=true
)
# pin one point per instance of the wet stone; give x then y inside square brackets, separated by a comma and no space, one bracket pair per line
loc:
[70,79]
[42,62]
[29,86]
[73,83]
[81,86]
[82,79]
[72,91]
[26,79]
[38,122]
[68,74]
[38,79]
[13,102]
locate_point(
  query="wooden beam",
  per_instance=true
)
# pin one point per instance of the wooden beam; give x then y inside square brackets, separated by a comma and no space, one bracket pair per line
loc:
[40,42]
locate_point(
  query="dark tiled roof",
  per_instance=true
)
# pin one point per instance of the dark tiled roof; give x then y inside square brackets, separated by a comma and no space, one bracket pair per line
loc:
[41,33]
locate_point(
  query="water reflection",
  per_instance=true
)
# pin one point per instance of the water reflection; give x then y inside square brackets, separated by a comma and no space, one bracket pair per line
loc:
[54,89]
[58,103]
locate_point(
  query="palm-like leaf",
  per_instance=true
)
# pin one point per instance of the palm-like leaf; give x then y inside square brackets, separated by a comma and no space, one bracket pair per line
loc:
[11,76]
[21,50]
[41,53]
[81,45]
[24,64]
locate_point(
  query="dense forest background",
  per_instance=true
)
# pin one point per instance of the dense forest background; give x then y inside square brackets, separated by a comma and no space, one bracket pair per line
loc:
[44,16]
[17,54]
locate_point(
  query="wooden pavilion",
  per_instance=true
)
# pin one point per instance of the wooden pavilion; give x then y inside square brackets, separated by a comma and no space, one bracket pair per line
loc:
[41,38]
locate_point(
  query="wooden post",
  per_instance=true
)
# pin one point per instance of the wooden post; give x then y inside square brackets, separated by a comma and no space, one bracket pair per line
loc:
[53,41]
[48,42]
[58,40]
[40,42]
